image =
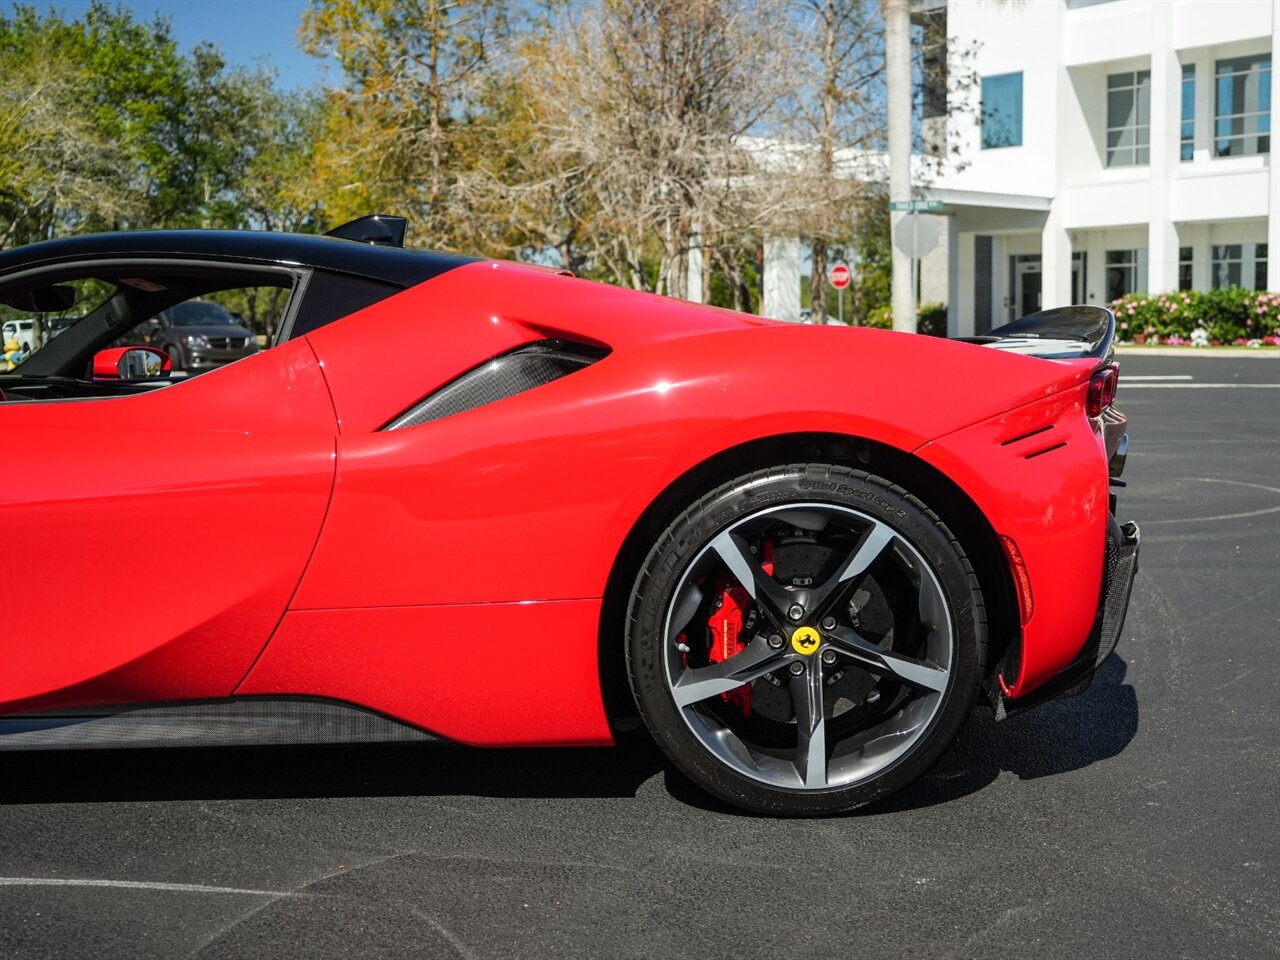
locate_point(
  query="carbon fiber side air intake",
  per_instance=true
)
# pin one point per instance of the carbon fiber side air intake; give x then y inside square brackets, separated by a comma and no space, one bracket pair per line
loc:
[506,375]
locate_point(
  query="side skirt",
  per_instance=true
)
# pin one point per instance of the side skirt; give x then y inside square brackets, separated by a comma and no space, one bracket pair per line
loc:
[236,721]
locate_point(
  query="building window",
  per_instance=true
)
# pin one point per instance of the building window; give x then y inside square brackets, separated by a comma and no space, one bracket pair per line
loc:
[1126,272]
[1242,107]
[1185,261]
[1231,263]
[1002,111]
[1129,118]
[1188,146]
[1228,265]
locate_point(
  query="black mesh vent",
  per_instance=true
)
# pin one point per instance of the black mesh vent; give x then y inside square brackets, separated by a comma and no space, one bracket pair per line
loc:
[504,376]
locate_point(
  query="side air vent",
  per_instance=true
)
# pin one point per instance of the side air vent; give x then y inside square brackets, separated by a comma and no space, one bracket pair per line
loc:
[1025,436]
[516,371]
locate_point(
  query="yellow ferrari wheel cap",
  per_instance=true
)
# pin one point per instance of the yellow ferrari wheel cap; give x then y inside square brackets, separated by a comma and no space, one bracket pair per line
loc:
[805,640]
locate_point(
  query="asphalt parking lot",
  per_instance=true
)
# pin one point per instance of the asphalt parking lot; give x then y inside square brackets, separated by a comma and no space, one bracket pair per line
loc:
[1139,819]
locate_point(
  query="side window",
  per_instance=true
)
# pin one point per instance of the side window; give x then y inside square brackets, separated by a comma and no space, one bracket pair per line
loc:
[332,296]
[203,315]
[214,329]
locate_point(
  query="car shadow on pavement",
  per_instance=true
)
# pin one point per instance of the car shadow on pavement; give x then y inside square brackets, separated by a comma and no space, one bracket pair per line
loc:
[1058,737]
[299,772]
[1055,738]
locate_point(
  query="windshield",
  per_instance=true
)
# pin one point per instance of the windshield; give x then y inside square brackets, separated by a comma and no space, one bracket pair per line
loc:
[201,313]
[32,315]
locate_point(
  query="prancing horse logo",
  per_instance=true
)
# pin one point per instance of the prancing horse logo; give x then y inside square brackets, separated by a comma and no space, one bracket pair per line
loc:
[805,640]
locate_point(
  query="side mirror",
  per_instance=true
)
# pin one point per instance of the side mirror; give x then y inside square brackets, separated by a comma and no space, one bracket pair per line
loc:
[131,363]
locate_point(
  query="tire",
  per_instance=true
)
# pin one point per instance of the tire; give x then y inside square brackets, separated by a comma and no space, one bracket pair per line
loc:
[805,639]
[177,362]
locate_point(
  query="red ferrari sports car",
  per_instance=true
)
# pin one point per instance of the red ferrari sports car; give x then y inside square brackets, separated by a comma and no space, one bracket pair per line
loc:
[493,503]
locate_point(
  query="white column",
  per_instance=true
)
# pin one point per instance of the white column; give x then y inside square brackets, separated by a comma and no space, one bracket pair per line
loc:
[693,283]
[1273,170]
[781,279]
[1201,257]
[1166,113]
[1000,303]
[959,282]
[1096,268]
[1055,261]
[897,30]
[935,268]
[1203,150]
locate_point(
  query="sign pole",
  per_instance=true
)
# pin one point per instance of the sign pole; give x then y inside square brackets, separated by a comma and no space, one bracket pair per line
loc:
[839,276]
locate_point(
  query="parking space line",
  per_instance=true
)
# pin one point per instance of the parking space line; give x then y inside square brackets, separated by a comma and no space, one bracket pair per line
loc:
[1125,385]
[139,885]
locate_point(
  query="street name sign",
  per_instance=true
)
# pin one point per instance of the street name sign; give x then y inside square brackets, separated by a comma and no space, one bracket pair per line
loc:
[916,206]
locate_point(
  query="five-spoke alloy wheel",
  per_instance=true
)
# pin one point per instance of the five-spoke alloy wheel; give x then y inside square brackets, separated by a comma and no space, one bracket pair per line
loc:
[805,639]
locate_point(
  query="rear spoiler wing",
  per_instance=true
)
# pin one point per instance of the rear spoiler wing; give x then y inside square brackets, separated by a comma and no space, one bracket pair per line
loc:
[1063,333]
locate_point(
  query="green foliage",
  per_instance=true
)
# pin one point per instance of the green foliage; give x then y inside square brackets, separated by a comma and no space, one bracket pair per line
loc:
[744,294]
[105,124]
[1229,315]
[931,319]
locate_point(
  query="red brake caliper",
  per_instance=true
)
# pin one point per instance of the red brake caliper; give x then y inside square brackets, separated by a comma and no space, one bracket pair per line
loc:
[727,623]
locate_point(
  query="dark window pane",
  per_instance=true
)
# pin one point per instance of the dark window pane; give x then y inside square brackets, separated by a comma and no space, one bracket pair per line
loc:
[1120,108]
[1122,137]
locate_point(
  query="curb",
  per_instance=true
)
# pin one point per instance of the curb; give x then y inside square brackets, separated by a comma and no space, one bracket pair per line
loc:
[1220,353]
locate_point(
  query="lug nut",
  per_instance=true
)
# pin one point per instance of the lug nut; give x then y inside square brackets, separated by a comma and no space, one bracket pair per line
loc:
[828,657]
[776,641]
[796,611]
[797,668]
[828,623]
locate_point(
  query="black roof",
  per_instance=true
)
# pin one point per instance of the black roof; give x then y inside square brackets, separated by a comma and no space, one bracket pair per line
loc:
[389,264]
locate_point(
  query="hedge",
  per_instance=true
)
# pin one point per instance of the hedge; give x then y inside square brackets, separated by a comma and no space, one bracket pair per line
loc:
[931,319]
[1230,315]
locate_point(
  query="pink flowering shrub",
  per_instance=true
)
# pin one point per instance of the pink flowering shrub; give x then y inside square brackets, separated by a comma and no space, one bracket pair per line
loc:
[1231,315]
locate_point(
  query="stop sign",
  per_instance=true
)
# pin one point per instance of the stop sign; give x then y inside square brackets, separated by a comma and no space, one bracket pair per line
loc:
[839,276]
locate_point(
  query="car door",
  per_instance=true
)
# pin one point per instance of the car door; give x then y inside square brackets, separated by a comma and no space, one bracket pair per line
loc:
[150,543]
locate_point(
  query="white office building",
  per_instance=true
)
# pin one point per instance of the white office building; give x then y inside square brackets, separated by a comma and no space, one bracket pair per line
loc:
[1107,147]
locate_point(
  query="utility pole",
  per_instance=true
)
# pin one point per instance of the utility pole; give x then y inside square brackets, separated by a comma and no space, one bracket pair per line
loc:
[897,30]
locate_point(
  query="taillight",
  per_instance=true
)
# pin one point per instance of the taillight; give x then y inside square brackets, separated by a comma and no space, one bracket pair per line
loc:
[1102,390]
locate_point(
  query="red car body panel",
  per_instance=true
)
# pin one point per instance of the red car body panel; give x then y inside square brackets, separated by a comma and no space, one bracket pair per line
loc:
[491,674]
[454,570]
[224,478]
[1039,475]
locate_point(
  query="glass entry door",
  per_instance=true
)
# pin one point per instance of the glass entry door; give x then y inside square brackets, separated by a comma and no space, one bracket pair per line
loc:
[1025,283]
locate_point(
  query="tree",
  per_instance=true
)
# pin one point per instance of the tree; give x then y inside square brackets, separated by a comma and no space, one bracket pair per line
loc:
[398,132]
[58,172]
[106,125]
[837,111]
[640,108]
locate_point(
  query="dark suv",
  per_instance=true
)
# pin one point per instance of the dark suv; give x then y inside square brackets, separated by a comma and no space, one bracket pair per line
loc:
[199,335]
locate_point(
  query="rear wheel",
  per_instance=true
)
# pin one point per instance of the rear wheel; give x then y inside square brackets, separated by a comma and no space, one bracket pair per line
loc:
[805,639]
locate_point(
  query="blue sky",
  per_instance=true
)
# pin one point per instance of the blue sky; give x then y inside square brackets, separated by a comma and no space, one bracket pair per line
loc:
[248,32]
